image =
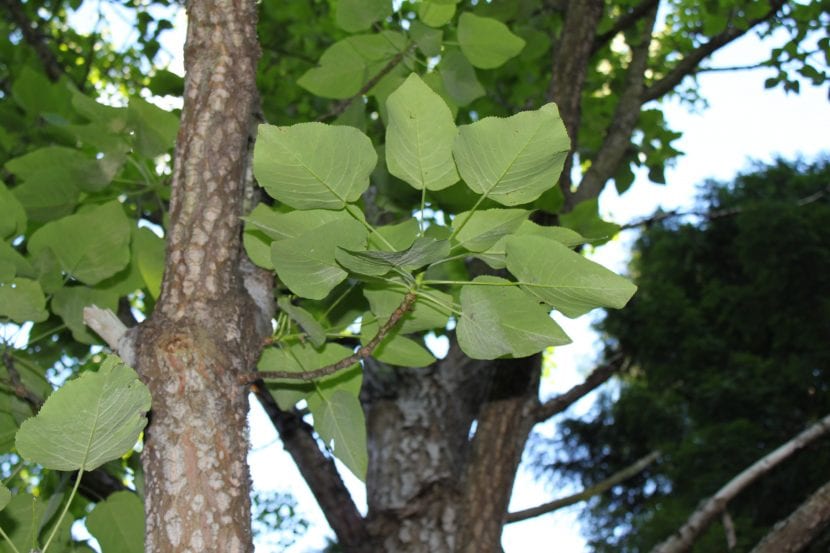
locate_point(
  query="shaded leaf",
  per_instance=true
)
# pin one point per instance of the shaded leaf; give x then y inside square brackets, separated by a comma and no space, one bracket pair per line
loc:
[69,303]
[424,251]
[481,229]
[394,349]
[306,320]
[306,264]
[459,77]
[487,42]
[12,214]
[432,308]
[91,245]
[118,523]
[340,423]
[358,15]
[503,321]
[21,300]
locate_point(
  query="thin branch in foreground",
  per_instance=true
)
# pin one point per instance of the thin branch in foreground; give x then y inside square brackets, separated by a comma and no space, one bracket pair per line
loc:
[801,527]
[341,106]
[362,353]
[589,492]
[598,376]
[699,521]
[16,384]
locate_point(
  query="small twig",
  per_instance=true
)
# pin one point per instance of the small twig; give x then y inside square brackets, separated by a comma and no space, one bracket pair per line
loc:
[35,38]
[362,353]
[561,402]
[711,215]
[17,386]
[341,106]
[587,493]
[729,530]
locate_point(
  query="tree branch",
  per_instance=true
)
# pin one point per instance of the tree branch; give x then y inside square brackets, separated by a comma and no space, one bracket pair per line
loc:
[589,492]
[34,38]
[624,22]
[700,520]
[689,64]
[341,106]
[618,138]
[559,403]
[16,384]
[318,471]
[795,532]
[361,353]
[569,66]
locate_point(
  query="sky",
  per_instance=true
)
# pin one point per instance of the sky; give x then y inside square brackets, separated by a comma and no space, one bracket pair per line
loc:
[743,122]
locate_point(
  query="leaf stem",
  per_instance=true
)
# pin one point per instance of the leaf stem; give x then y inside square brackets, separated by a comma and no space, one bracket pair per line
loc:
[467,218]
[65,509]
[350,209]
[361,353]
[423,203]
[11,543]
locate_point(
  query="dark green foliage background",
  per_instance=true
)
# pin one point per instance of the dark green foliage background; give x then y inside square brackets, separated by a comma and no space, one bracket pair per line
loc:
[728,335]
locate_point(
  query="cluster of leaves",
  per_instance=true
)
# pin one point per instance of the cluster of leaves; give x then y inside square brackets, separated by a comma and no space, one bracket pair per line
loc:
[728,336]
[323,249]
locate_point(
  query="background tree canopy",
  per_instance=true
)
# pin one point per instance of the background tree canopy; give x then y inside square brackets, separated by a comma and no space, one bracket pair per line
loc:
[726,339]
[350,181]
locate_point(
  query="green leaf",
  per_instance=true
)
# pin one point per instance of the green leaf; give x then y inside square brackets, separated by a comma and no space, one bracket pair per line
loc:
[459,77]
[5,496]
[91,245]
[400,235]
[340,423]
[426,314]
[513,160]
[12,214]
[358,15]
[394,349]
[306,264]
[487,42]
[66,166]
[428,39]
[481,229]
[419,137]
[118,523]
[585,219]
[46,199]
[496,256]
[435,14]
[90,420]
[312,165]
[279,225]
[349,64]
[503,321]
[155,129]
[424,251]
[306,320]
[564,279]
[148,255]
[22,300]
[21,520]
[69,303]
[16,263]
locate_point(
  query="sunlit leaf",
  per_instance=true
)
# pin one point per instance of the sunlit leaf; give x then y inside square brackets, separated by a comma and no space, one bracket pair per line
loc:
[564,279]
[487,42]
[419,137]
[513,160]
[90,420]
[312,165]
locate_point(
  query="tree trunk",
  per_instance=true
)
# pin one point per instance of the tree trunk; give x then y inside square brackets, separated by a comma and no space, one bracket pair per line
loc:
[203,333]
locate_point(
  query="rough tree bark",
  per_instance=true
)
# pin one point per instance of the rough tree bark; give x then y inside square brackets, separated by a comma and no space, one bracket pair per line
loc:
[203,332]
